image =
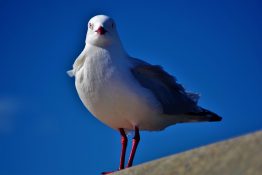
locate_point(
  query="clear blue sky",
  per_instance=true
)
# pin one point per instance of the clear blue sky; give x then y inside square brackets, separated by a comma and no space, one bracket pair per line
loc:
[214,48]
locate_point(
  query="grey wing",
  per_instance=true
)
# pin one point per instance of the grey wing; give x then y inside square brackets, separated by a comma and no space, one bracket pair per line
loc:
[172,96]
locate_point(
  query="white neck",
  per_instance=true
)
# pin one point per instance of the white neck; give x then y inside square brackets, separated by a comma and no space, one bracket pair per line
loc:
[115,49]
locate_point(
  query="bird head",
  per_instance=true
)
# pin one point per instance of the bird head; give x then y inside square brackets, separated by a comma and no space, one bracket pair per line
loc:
[102,31]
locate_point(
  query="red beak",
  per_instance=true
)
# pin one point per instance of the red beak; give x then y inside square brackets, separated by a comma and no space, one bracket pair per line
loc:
[101,30]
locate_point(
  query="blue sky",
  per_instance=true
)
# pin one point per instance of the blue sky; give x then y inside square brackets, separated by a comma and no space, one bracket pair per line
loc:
[214,48]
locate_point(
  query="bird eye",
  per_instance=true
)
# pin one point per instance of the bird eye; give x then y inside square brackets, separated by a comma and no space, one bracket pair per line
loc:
[90,26]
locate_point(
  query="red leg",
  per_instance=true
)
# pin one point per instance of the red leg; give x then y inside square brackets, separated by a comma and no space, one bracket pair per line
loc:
[123,151]
[135,142]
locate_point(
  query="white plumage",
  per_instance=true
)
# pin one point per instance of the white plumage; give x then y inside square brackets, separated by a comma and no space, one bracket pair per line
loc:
[124,92]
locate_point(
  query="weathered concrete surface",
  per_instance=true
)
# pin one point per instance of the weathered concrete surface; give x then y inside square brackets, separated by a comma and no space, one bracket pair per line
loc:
[238,156]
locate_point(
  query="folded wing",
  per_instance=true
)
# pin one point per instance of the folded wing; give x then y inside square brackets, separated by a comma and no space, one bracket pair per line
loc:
[172,95]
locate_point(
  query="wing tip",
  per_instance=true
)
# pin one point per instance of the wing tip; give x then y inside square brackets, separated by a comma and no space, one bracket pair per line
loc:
[205,115]
[212,117]
[215,118]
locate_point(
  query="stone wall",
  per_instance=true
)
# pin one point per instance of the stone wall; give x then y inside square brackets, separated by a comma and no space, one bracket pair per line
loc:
[238,156]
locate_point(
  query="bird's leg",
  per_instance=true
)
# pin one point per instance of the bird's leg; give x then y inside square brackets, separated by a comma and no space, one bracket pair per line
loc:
[123,151]
[135,142]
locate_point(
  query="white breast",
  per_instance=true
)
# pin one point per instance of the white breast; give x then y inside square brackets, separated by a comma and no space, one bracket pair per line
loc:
[110,92]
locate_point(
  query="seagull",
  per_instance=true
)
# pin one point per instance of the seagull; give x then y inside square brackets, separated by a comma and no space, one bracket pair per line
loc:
[129,94]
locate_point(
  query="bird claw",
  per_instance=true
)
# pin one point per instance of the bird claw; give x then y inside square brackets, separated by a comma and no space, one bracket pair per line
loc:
[110,172]
[107,172]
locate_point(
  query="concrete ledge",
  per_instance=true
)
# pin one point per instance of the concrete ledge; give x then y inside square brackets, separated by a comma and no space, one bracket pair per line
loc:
[238,156]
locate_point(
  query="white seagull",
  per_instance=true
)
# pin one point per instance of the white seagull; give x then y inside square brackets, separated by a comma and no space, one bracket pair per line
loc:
[129,94]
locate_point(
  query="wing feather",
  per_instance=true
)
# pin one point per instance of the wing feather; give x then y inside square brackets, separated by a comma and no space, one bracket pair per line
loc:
[172,95]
